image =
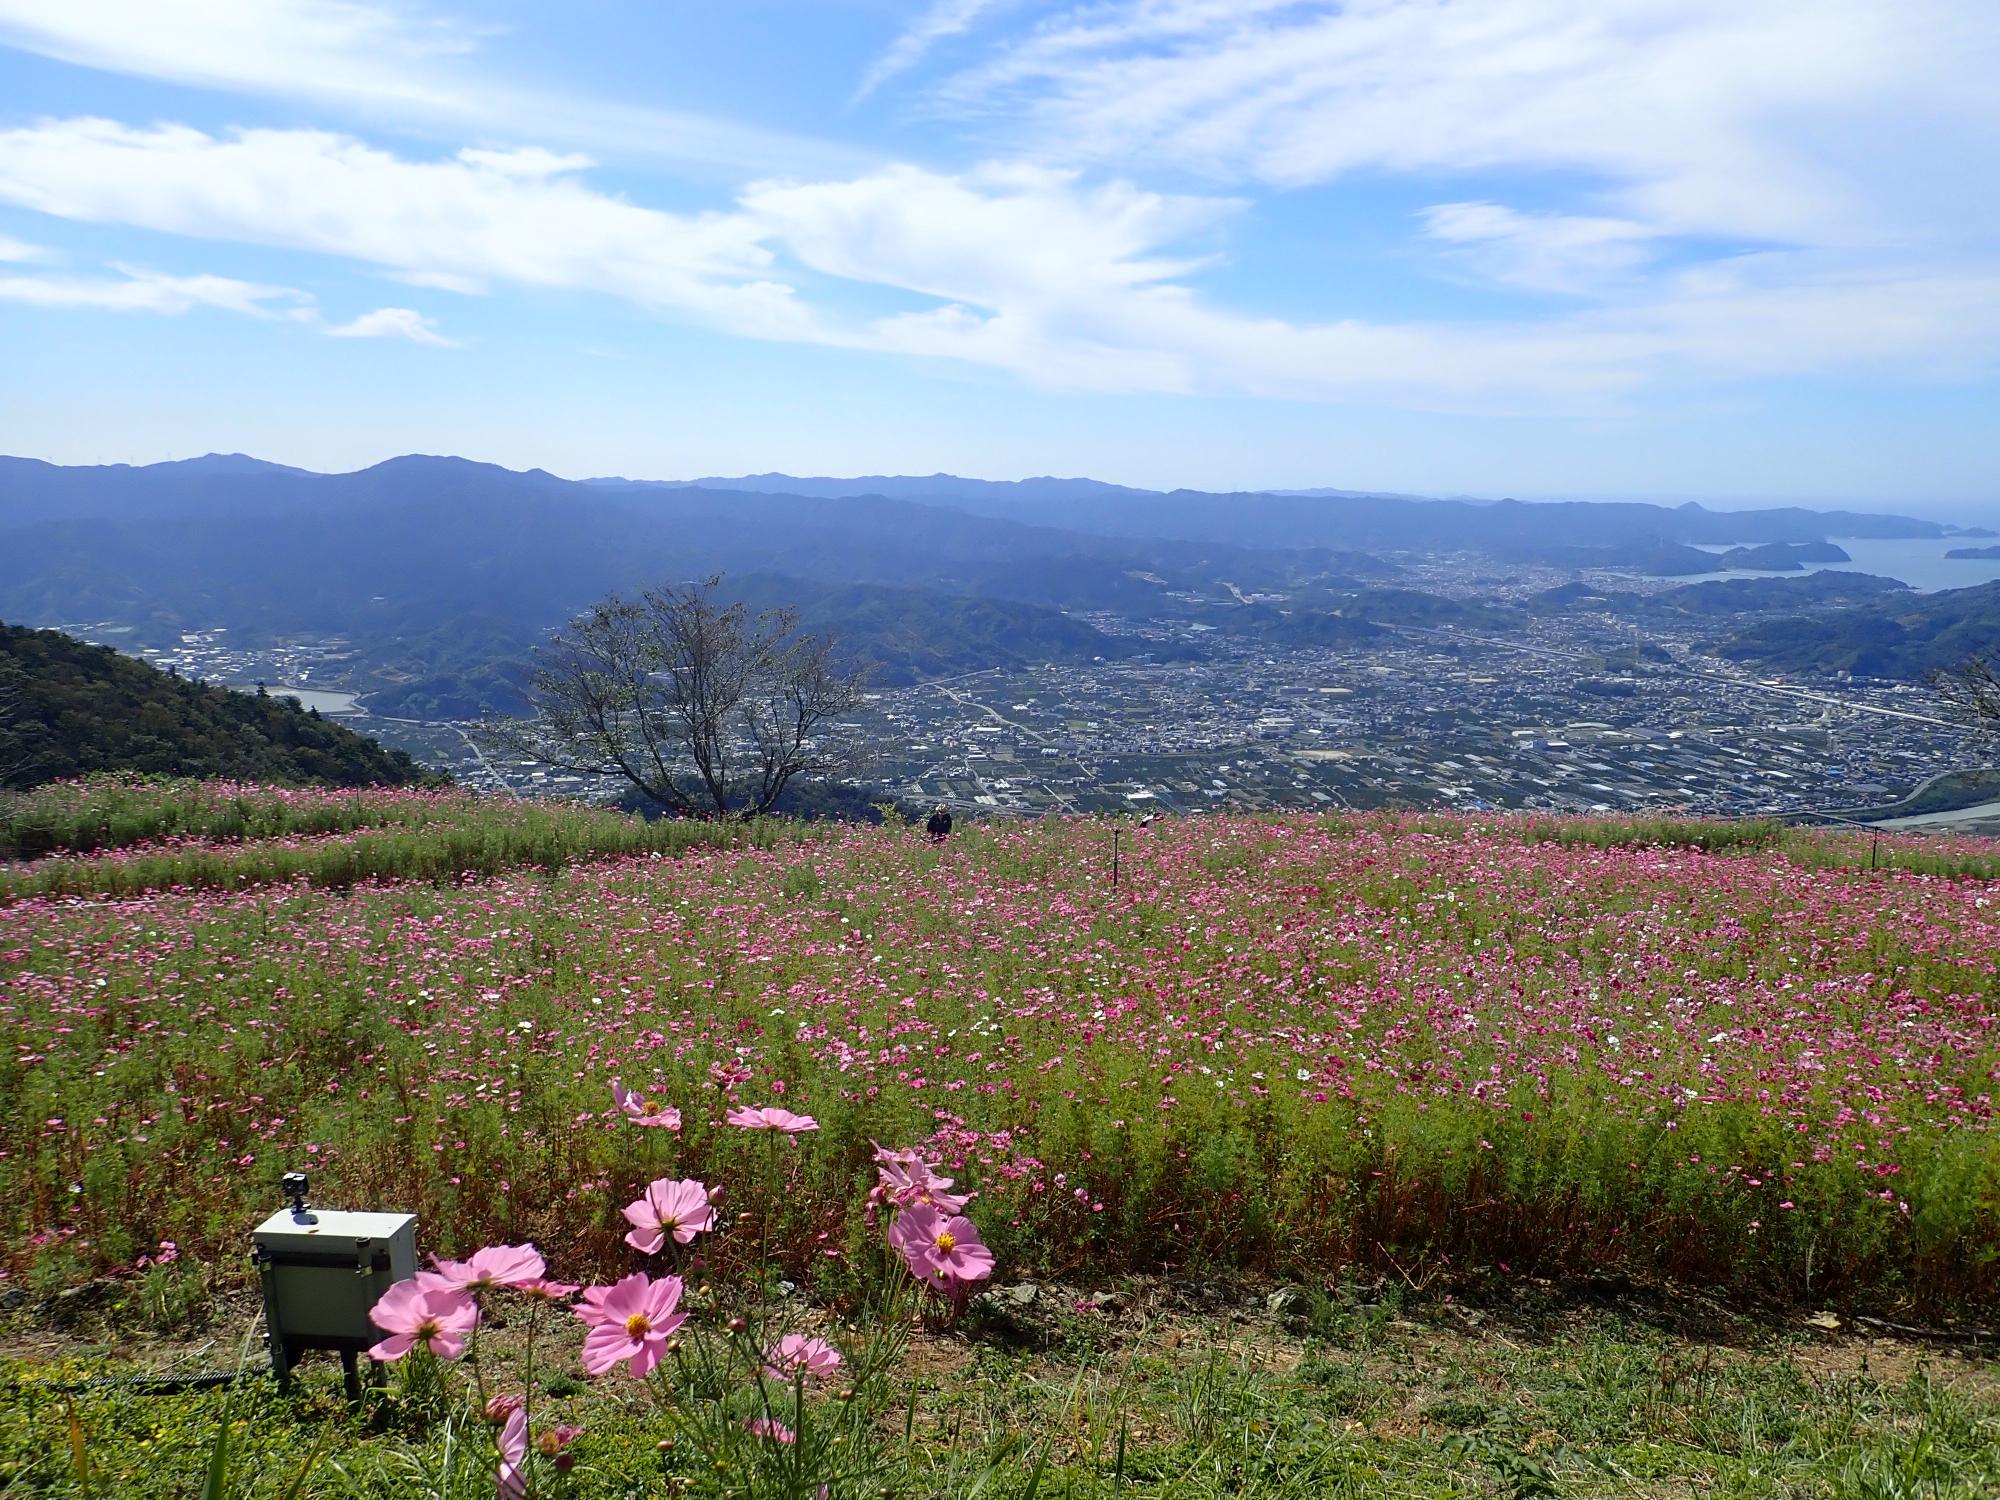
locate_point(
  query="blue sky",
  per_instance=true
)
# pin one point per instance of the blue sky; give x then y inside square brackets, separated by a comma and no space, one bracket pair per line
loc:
[1666,248]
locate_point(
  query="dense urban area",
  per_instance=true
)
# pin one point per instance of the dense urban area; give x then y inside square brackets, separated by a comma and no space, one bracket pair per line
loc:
[1583,710]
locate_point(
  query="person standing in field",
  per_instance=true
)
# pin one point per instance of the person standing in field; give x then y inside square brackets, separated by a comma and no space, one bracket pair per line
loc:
[939,824]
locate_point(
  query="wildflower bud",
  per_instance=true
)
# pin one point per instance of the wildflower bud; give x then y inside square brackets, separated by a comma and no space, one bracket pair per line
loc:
[847,1395]
[565,1461]
[737,1325]
[665,1445]
[500,1408]
[673,1346]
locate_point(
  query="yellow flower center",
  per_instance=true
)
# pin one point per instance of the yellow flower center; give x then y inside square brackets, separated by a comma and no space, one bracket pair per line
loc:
[650,1106]
[638,1326]
[946,1242]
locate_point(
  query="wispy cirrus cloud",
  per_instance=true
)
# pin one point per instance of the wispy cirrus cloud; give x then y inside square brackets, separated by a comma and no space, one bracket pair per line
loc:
[376,60]
[1787,121]
[135,289]
[121,288]
[938,21]
[1573,254]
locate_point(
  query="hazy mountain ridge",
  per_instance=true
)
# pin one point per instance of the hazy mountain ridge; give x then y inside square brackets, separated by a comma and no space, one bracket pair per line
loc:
[1340,518]
[444,572]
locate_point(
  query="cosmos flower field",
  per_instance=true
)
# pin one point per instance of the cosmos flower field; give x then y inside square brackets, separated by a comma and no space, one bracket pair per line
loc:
[1277,1045]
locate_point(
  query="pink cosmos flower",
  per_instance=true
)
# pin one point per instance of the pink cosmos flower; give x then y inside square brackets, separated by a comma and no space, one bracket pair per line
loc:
[680,1209]
[437,1318]
[495,1266]
[795,1355]
[629,1321]
[944,1253]
[511,1483]
[776,1431]
[642,1110]
[906,1179]
[544,1290]
[554,1439]
[770,1117]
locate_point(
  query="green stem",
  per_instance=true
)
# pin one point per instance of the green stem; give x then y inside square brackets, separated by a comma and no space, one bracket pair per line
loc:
[531,1471]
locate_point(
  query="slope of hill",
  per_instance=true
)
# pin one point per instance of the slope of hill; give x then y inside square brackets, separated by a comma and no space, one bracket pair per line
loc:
[1901,636]
[1824,589]
[71,709]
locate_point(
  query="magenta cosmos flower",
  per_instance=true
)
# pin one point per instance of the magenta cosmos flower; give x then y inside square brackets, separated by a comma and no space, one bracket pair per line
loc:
[766,1427]
[641,1110]
[680,1209]
[770,1117]
[518,1266]
[437,1318]
[629,1321]
[795,1355]
[944,1253]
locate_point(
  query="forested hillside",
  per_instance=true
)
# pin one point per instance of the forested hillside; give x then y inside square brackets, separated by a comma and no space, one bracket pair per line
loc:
[70,709]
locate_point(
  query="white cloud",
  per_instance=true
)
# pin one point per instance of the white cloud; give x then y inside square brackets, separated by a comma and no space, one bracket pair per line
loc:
[1074,286]
[15,250]
[940,20]
[1794,121]
[995,233]
[139,290]
[393,323]
[1541,252]
[381,61]
[476,218]
[1049,275]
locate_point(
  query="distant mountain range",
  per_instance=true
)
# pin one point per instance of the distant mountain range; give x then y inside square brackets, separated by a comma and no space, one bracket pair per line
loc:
[1336,518]
[443,573]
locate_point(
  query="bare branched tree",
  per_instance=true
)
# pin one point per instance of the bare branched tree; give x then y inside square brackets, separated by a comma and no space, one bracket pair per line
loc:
[706,709]
[1972,688]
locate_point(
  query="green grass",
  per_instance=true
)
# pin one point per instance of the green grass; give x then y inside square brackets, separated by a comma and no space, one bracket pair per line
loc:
[1174,1398]
[117,811]
[1943,854]
[439,840]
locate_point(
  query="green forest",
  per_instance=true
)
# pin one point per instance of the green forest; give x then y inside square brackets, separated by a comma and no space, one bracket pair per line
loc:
[71,709]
